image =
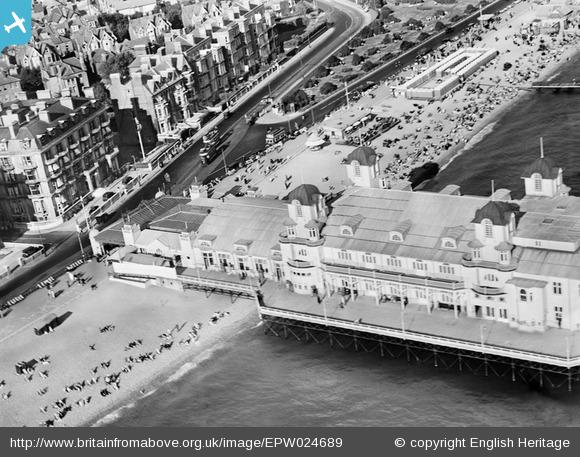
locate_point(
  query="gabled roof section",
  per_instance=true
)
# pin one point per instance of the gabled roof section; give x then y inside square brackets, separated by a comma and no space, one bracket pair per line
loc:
[498,213]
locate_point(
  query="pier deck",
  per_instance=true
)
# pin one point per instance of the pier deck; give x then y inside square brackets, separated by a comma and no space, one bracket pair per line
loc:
[554,347]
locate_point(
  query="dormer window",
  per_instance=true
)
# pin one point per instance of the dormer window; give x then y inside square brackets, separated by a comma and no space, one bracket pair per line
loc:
[477,253]
[313,233]
[487,228]
[291,232]
[449,243]
[537,178]
[345,230]
[397,237]
[504,256]
[523,295]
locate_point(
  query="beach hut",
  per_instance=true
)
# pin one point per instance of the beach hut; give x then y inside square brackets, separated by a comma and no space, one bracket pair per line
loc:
[315,142]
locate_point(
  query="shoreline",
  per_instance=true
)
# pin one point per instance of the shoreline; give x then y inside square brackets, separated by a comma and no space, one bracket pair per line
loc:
[550,72]
[173,371]
[150,341]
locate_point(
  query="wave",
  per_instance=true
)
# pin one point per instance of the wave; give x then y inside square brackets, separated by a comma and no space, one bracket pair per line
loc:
[113,416]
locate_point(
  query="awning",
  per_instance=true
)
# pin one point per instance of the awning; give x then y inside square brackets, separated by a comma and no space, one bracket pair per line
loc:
[527,283]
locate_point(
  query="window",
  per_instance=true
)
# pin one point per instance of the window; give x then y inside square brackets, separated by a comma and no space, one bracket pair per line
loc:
[446,269]
[346,231]
[302,252]
[487,228]
[490,311]
[523,295]
[557,288]
[393,262]
[396,237]
[503,313]
[419,265]
[291,231]
[476,254]
[537,182]
[420,294]
[449,244]
[504,256]
[344,255]
[298,207]
[39,207]
[558,315]
[313,233]
[356,168]
[490,277]
[369,258]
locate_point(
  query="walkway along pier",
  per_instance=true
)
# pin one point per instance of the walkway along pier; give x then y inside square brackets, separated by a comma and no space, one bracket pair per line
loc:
[539,369]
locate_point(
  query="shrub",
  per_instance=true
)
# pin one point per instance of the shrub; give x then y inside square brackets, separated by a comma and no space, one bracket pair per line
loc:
[328,88]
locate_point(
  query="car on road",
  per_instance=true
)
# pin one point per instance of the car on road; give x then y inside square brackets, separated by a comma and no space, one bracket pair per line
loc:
[30,250]
[108,195]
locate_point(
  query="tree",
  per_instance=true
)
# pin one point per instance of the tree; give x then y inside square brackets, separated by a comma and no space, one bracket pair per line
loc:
[321,72]
[327,88]
[344,51]
[387,39]
[439,26]
[455,18]
[406,45]
[31,80]
[172,14]
[386,12]
[298,98]
[118,23]
[366,32]
[356,59]
[333,61]
[118,63]
[470,9]
[423,36]
[413,23]
[355,42]
[368,66]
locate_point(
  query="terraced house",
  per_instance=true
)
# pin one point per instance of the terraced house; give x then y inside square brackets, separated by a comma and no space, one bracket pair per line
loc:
[52,152]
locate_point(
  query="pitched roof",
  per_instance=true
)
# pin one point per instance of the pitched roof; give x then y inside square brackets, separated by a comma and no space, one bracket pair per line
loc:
[364,155]
[258,220]
[498,213]
[426,216]
[306,194]
[544,166]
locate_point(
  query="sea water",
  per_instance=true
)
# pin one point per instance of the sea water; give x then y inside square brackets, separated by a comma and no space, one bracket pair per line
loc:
[260,380]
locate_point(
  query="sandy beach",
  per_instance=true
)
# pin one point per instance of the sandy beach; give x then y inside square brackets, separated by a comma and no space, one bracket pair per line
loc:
[429,130]
[112,340]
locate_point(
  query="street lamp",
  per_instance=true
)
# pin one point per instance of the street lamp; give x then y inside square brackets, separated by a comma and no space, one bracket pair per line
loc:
[79,230]
[139,128]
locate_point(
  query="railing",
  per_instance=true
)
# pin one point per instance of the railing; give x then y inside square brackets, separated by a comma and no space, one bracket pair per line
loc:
[567,362]
[395,277]
[484,290]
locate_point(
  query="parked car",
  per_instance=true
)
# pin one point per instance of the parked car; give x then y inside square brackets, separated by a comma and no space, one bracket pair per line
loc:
[30,250]
[108,195]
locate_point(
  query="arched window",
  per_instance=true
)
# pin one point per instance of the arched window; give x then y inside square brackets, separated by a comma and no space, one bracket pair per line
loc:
[356,168]
[537,177]
[298,207]
[488,228]
[523,295]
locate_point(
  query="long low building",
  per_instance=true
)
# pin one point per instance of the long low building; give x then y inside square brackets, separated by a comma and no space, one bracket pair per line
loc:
[444,76]
[490,258]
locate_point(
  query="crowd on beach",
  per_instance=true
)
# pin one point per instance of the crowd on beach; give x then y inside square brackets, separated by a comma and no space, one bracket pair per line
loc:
[432,131]
[102,380]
